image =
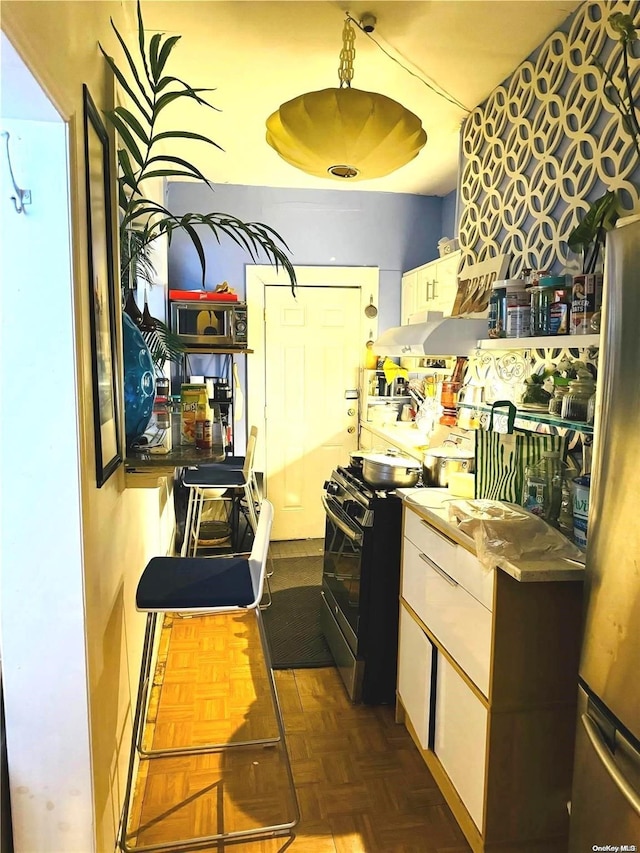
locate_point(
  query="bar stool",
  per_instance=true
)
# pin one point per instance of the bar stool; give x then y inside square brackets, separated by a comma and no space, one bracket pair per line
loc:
[213,483]
[226,584]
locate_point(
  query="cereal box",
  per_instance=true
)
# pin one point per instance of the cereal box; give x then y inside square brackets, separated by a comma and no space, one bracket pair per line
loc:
[194,404]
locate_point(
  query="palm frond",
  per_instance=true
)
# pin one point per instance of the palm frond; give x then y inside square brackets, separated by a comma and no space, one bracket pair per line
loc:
[142,220]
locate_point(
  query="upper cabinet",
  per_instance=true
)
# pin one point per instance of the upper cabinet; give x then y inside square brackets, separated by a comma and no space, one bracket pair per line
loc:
[430,287]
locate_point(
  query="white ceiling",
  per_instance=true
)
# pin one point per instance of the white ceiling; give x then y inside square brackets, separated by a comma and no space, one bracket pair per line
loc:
[258,54]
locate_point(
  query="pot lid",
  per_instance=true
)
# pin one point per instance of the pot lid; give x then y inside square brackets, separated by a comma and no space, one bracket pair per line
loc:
[391,459]
[451,452]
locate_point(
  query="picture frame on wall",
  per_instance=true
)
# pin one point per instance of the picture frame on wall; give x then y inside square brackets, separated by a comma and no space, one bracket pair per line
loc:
[102,308]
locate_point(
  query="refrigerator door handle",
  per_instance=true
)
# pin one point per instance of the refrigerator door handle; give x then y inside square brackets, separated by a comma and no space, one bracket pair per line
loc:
[609,763]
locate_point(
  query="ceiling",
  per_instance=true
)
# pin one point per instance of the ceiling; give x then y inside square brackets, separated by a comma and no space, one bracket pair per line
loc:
[258,54]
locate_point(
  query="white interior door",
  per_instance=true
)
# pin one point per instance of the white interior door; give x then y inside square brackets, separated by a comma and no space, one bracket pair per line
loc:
[309,355]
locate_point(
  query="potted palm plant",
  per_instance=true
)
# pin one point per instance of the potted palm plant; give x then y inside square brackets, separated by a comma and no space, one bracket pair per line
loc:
[142,155]
[589,235]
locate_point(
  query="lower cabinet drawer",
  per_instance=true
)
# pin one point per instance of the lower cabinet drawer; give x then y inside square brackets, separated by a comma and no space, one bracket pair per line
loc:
[460,622]
[461,737]
[415,656]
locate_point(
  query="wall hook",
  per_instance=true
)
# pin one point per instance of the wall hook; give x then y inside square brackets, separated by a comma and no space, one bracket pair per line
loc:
[21,197]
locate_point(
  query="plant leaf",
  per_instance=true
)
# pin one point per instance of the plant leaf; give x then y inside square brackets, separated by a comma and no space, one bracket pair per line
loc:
[125,84]
[167,47]
[143,54]
[127,136]
[133,123]
[153,55]
[184,134]
[189,168]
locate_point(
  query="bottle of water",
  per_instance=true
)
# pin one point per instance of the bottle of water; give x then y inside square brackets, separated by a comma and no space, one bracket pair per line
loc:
[542,493]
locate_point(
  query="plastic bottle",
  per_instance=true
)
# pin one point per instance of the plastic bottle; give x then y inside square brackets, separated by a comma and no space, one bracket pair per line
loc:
[542,493]
[518,309]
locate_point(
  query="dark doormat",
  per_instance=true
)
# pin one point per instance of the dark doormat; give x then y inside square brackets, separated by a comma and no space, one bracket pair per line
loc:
[292,622]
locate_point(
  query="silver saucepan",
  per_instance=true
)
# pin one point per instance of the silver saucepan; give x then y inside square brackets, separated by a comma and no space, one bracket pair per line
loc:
[390,470]
[440,462]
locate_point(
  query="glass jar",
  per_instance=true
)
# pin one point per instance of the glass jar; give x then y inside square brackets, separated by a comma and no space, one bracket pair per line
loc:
[518,309]
[555,403]
[542,493]
[497,310]
[550,289]
[575,404]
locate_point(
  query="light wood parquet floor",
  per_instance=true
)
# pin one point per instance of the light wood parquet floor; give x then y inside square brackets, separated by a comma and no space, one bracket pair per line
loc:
[361,784]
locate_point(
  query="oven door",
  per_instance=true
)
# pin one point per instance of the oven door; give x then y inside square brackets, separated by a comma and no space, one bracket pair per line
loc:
[342,568]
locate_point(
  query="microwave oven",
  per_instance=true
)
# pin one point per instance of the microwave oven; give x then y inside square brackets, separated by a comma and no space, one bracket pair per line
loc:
[211,324]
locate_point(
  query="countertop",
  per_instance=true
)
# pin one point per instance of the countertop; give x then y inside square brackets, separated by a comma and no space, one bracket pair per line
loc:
[182,455]
[432,505]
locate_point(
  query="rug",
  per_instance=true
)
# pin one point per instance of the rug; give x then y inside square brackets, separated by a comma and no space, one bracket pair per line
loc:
[292,622]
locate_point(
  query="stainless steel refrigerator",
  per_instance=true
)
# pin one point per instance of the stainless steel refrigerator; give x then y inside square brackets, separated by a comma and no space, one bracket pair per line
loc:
[605,802]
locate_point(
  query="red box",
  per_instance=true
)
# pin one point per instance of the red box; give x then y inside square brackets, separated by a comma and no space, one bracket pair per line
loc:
[201,296]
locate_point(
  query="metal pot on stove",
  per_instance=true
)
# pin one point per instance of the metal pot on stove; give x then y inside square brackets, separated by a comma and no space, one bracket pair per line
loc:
[440,462]
[390,470]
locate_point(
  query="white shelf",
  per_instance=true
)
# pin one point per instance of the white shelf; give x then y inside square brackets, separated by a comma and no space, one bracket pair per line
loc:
[542,342]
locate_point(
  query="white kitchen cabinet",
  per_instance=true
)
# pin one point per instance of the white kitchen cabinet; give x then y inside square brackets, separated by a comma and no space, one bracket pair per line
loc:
[408,296]
[461,737]
[414,674]
[430,287]
[487,677]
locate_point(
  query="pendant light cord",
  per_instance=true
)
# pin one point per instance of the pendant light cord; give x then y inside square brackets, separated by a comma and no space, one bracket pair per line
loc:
[434,87]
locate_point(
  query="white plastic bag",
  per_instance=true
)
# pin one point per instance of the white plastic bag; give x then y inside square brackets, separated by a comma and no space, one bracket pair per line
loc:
[507,530]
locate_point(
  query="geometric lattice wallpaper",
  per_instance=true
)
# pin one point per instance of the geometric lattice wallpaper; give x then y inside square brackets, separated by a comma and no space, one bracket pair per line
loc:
[546,143]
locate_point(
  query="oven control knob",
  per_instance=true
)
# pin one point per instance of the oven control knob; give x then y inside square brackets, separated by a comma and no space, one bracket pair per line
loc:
[331,488]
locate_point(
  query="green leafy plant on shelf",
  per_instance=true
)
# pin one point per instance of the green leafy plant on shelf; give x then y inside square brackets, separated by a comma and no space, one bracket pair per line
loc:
[142,156]
[589,235]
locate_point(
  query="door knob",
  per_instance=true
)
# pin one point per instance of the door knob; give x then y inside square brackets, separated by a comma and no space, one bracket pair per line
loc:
[351,411]
[351,430]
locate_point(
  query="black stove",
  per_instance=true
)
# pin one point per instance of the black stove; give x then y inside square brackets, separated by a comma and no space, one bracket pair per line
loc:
[361,584]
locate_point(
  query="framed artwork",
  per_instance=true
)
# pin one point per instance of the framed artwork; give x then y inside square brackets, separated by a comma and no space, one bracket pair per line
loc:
[108,442]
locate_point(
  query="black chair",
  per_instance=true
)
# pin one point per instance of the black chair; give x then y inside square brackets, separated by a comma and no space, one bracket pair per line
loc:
[225,584]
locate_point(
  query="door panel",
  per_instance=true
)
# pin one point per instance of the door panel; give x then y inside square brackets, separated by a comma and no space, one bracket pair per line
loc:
[312,358]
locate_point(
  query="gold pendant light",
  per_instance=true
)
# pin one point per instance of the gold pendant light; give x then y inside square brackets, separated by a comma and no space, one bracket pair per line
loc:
[345,133]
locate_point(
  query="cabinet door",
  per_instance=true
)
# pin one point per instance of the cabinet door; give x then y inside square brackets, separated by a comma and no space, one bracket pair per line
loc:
[461,737]
[445,283]
[424,287]
[415,653]
[408,296]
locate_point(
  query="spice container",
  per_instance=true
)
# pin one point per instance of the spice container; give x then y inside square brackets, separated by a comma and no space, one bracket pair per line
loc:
[575,404]
[497,310]
[518,309]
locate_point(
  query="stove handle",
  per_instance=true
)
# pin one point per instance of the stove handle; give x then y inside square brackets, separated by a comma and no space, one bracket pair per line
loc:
[349,532]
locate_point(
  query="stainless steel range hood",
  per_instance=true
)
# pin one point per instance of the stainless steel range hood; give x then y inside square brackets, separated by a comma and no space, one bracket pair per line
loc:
[435,335]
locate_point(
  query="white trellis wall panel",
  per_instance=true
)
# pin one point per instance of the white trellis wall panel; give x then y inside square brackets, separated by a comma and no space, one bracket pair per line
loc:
[545,144]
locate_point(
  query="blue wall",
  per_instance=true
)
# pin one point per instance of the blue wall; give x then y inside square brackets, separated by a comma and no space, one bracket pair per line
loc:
[393,231]
[449,224]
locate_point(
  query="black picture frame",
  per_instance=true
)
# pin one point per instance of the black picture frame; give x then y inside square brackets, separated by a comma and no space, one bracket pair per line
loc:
[102,308]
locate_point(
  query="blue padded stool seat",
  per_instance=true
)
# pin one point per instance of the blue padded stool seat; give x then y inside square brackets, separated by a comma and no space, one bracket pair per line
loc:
[182,583]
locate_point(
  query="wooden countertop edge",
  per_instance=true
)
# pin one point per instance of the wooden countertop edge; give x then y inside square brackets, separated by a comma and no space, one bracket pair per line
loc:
[529,571]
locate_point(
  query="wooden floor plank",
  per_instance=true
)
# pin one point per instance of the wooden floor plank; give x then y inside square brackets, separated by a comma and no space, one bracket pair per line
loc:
[361,784]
